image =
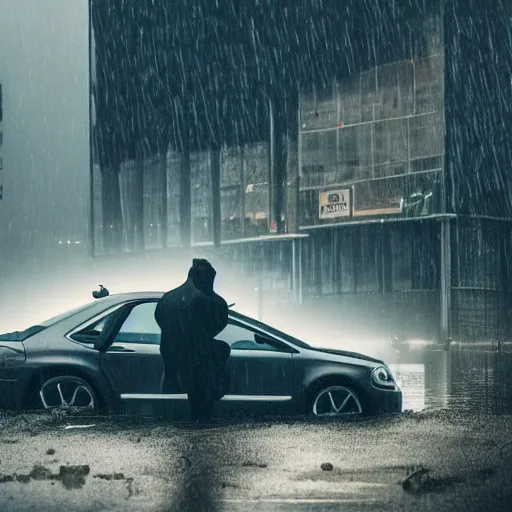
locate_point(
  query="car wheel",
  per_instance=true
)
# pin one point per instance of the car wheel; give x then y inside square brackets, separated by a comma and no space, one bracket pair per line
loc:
[335,401]
[68,393]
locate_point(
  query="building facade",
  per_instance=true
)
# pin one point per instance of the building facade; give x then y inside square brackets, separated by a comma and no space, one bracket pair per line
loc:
[395,172]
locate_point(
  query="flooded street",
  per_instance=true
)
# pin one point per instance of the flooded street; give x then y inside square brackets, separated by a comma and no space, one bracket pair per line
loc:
[417,461]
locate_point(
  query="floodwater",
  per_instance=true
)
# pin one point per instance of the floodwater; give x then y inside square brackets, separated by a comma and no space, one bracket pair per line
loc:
[460,378]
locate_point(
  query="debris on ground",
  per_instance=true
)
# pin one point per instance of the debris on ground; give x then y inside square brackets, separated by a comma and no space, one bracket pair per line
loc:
[225,485]
[428,413]
[24,479]
[326,466]
[110,476]
[254,465]
[69,427]
[414,481]
[420,480]
[73,477]
[50,451]
[40,473]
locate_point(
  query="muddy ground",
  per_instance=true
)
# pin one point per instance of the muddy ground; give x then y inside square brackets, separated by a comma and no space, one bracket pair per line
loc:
[434,460]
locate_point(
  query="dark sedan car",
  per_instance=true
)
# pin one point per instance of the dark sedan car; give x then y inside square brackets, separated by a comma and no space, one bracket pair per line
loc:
[106,354]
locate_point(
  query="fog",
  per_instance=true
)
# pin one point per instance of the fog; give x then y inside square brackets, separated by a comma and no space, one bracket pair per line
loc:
[459,159]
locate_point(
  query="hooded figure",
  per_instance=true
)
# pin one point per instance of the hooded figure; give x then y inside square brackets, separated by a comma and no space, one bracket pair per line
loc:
[190,316]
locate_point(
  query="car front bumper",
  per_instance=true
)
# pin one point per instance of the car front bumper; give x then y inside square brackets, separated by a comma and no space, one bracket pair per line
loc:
[381,401]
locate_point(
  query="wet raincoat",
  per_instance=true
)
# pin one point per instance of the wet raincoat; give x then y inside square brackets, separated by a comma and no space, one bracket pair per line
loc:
[190,317]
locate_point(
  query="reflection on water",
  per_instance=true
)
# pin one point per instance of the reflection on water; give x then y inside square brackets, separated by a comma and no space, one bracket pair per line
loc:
[411,379]
[467,379]
[481,379]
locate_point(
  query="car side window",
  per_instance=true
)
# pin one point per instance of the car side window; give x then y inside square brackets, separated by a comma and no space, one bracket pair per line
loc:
[241,338]
[140,326]
[93,331]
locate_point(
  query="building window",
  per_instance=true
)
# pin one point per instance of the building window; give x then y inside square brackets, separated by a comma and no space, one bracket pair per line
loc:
[256,174]
[415,256]
[201,197]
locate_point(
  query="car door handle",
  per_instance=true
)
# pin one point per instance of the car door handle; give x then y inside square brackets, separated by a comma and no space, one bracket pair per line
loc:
[117,348]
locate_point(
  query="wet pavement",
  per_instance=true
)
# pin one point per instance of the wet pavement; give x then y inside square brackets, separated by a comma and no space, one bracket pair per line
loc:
[433,460]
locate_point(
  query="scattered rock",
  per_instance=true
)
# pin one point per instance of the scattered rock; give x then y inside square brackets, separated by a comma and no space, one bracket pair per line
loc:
[73,477]
[40,473]
[104,476]
[229,484]
[110,476]
[50,451]
[327,466]
[254,465]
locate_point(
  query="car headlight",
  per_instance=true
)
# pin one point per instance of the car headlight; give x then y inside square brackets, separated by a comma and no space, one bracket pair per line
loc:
[382,378]
[11,358]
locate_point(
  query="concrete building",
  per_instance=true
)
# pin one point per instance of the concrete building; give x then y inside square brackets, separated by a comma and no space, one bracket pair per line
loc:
[405,185]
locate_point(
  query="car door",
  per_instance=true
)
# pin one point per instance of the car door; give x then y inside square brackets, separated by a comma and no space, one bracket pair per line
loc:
[261,368]
[133,360]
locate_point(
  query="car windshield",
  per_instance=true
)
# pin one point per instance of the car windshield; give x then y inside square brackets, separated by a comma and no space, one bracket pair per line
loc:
[273,331]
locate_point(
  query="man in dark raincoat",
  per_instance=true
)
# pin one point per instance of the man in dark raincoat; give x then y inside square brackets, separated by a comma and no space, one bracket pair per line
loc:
[190,316]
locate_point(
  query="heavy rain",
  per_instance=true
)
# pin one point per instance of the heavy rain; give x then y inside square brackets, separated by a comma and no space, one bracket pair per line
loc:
[344,165]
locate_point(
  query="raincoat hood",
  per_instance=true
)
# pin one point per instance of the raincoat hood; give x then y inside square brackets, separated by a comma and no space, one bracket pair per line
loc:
[202,275]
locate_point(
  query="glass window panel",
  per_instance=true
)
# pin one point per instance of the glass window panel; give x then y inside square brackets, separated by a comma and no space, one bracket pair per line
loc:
[426,135]
[405,83]
[201,196]
[241,338]
[140,326]
[349,93]
[173,198]
[154,190]
[387,81]
[354,152]
[256,171]
[320,111]
[428,81]
[390,141]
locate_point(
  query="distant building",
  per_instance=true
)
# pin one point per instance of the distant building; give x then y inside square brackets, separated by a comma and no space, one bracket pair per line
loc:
[400,178]
[405,187]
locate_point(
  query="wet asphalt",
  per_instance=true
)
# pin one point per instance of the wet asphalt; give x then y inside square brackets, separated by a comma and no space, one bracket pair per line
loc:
[434,460]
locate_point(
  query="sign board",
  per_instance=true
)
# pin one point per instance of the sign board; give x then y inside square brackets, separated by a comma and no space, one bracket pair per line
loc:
[334,203]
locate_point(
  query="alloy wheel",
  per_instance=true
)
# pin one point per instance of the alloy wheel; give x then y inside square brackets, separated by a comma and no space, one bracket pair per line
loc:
[69,393]
[336,401]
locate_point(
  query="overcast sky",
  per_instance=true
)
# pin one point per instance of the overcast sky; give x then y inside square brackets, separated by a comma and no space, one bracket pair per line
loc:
[44,70]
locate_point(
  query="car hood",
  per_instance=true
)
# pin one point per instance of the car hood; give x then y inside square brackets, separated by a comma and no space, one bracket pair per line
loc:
[346,353]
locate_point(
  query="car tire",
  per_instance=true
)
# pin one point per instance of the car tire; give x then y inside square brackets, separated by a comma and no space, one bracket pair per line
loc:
[69,393]
[334,400]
